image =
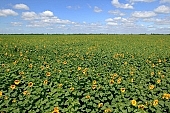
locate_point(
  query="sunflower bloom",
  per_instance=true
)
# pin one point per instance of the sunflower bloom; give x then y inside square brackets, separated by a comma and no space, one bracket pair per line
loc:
[100,105]
[45,82]
[56,110]
[30,66]
[119,80]
[48,74]
[158,81]
[12,87]
[133,102]
[79,68]
[30,84]
[65,62]
[17,82]
[94,86]
[88,96]
[166,96]
[108,110]
[111,81]
[141,106]
[152,73]
[60,85]
[151,87]
[0,93]
[72,88]
[122,90]
[155,102]
[94,82]
[25,92]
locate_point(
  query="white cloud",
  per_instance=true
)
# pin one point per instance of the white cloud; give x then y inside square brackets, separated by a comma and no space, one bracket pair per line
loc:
[142,1]
[73,7]
[16,23]
[8,12]
[21,6]
[116,12]
[120,5]
[162,9]
[144,14]
[43,19]
[97,9]
[112,23]
[47,14]
[29,15]
[164,1]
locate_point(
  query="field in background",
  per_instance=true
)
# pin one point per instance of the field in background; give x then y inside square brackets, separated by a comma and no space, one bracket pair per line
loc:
[85,73]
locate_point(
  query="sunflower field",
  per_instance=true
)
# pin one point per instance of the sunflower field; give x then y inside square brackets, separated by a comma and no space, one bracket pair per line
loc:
[84,73]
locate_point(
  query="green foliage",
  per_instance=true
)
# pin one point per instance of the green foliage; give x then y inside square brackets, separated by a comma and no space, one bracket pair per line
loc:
[84,73]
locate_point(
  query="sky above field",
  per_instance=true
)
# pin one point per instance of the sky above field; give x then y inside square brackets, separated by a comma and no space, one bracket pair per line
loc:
[85,16]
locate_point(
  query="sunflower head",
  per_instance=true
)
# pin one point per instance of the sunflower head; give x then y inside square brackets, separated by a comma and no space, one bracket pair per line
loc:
[122,90]
[48,74]
[133,102]
[155,102]
[17,82]
[30,84]
[12,87]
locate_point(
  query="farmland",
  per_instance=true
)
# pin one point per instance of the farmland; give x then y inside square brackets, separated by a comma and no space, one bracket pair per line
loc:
[85,73]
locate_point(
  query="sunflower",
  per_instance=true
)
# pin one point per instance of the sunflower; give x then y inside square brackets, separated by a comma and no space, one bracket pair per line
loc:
[56,110]
[79,68]
[72,88]
[88,96]
[94,86]
[48,74]
[30,84]
[94,82]
[100,105]
[152,73]
[14,100]
[108,110]
[60,85]
[3,65]
[151,87]
[155,102]
[25,92]
[17,82]
[158,81]
[0,93]
[65,62]
[45,82]
[133,102]
[119,80]
[141,106]
[30,65]
[12,87]
[112,81]
[122,90]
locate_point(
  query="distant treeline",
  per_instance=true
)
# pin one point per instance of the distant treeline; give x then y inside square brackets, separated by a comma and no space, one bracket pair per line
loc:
[85,34]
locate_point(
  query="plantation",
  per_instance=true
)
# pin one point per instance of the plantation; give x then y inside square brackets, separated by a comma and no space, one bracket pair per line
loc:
[84,73]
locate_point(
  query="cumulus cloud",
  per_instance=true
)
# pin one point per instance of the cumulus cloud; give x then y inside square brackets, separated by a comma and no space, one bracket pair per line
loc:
[43,19]
[162,9]
[97,9]
[21,6]
[47,14]
[8,12]
[29,15]
[120,5]
[116,12]
[164,1]
[16,23]
[142,1]
[144,14]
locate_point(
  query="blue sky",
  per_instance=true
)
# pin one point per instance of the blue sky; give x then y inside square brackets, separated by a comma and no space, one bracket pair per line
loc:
[85,16]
